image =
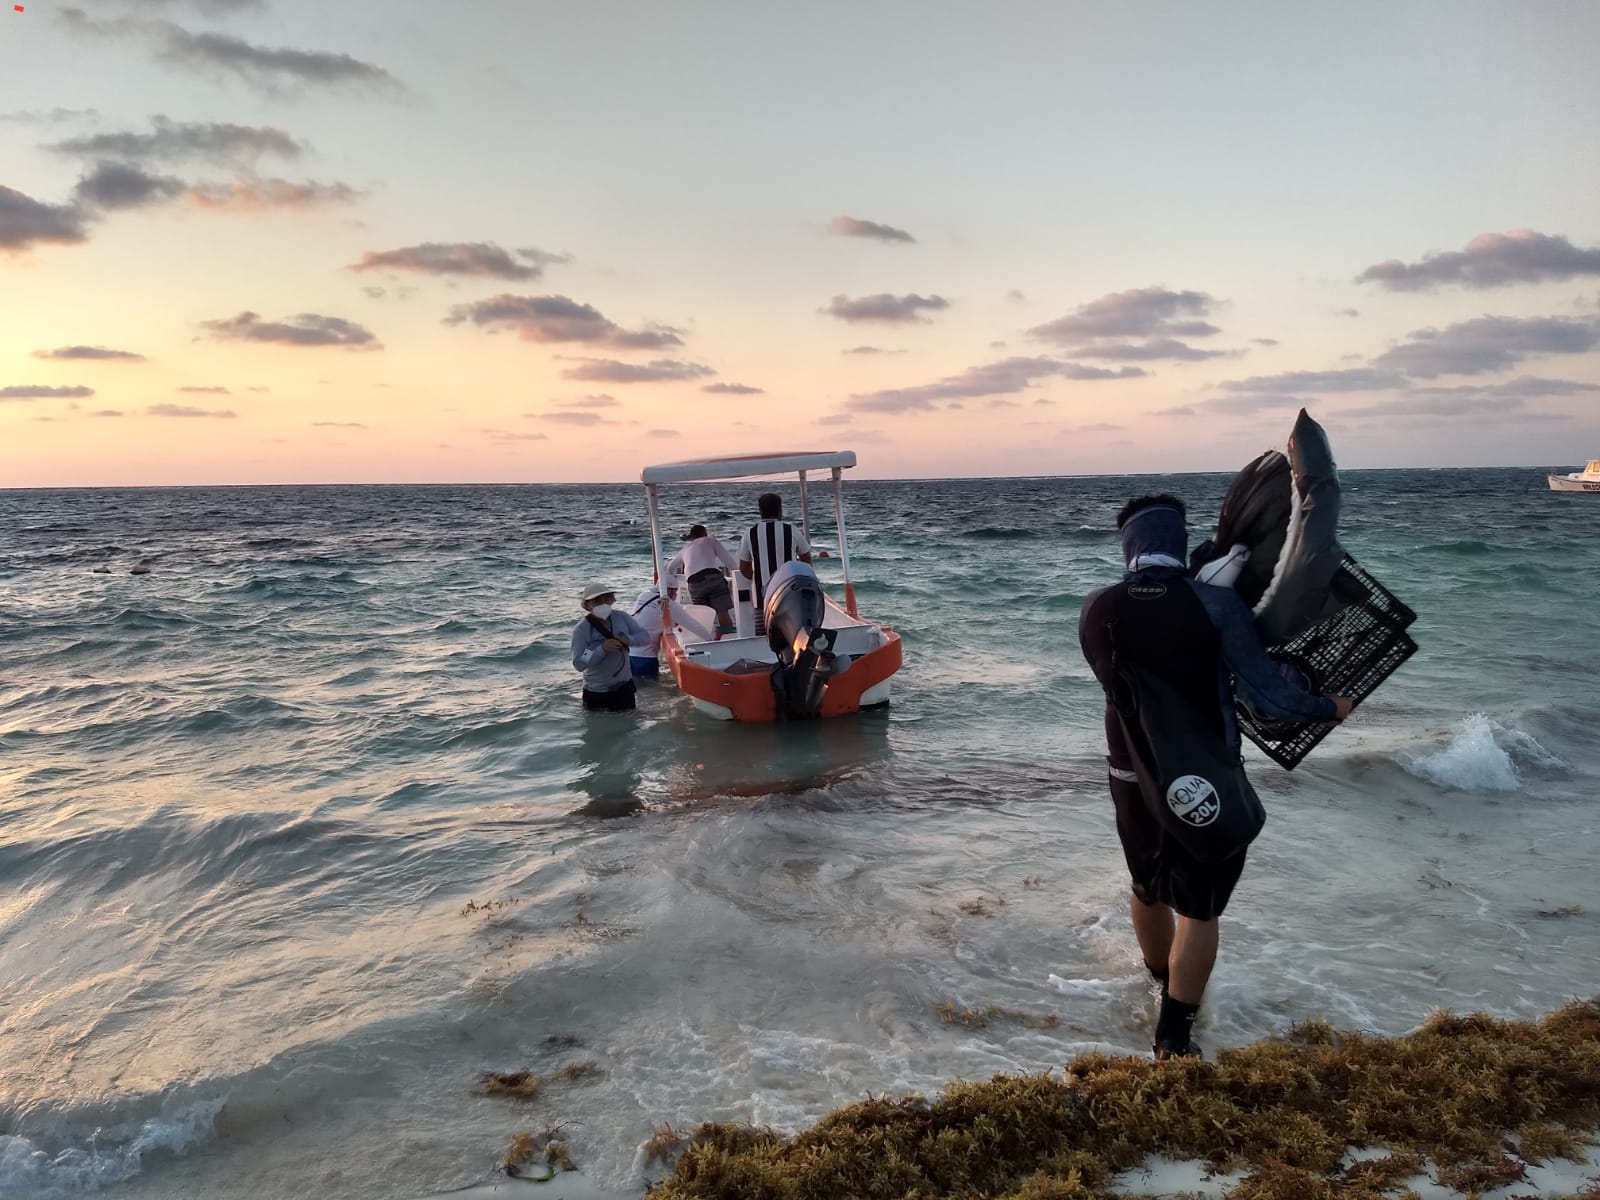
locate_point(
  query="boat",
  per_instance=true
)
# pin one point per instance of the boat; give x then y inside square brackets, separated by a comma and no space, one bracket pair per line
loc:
[1586,480]
[817,657]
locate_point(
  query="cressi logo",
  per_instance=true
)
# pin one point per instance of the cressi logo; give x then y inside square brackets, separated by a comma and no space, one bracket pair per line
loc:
[1193,800]
[1147,591]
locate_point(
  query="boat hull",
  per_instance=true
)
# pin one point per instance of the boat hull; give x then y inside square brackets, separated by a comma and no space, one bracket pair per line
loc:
[1564,483]
[749,697]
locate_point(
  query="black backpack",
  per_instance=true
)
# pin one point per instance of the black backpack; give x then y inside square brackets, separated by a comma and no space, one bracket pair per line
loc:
[1165,694]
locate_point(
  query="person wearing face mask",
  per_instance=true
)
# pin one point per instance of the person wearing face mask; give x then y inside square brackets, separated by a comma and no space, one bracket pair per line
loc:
[600,650]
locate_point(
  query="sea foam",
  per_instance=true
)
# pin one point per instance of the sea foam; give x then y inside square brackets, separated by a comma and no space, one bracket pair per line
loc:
[1483,756]
[27,1170]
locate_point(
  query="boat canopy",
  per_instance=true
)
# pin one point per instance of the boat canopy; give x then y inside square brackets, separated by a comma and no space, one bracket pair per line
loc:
[745,466]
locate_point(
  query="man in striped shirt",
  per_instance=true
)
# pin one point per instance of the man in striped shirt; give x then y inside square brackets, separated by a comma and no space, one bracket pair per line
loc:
[765,547]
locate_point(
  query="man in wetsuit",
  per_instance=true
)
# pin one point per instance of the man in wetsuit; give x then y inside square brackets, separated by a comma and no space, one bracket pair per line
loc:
[1204,644]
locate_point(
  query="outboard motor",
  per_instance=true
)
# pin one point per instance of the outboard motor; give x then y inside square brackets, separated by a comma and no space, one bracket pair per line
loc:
[794,611]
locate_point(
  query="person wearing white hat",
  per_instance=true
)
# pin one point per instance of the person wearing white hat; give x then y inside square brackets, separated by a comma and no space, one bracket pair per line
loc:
[600,646]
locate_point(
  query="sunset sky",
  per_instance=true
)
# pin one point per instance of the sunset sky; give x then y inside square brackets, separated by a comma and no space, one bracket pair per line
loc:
[251,241]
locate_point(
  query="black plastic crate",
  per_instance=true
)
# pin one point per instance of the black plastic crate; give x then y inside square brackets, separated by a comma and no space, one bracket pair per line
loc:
[1348,654]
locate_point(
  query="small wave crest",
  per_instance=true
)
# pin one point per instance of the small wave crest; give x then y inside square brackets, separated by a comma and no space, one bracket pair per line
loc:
[276,543]
[999,533]
[1482,756]
[1084,534]
[1461,548]
[534,651]
[43,1171]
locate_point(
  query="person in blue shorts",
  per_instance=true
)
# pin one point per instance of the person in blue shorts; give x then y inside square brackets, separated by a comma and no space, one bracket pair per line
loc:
[646,663]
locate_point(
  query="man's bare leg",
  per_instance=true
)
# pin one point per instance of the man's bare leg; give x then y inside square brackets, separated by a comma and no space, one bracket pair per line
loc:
[1152,925]
[1194,953]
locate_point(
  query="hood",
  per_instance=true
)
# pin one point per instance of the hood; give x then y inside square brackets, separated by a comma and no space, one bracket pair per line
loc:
[1158,529]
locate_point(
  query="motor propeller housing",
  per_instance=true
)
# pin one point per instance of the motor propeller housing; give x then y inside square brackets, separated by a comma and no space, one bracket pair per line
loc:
[794,610]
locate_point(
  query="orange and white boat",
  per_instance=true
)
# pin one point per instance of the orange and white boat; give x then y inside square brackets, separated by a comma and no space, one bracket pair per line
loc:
[816,658]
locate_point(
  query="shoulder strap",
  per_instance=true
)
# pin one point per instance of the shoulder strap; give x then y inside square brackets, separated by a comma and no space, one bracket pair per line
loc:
[603,626]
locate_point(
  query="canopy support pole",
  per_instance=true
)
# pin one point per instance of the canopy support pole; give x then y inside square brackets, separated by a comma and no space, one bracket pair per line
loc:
[844,552]
[655,554]
[805,511]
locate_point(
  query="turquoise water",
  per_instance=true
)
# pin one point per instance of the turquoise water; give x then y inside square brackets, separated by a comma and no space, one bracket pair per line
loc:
[302,830]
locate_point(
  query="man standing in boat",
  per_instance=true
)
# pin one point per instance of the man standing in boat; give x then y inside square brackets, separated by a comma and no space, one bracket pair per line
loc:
[1192,637]
[600,646]
[701,561]
[766,546]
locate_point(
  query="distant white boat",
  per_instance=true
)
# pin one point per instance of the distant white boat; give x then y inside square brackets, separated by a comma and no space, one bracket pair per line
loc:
[1586,480]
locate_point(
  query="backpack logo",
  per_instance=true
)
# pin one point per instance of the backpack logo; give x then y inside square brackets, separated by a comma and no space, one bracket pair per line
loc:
[1147,591]
[1193,800]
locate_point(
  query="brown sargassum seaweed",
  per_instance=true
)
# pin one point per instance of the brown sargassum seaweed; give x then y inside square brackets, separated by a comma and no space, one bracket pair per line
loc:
[1471,1099]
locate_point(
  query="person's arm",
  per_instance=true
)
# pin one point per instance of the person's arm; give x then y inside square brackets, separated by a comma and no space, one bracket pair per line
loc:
[1094,639]
[802,548]
[745,567]
[723,556]
[584,649]
[1255,674]
[625,626]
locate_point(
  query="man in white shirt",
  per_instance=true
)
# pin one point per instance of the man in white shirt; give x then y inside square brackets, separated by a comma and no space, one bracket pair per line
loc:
[646,660]
[701,561]
[766,546]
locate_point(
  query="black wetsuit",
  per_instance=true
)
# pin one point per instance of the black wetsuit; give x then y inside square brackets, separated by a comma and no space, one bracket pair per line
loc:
[1163,627]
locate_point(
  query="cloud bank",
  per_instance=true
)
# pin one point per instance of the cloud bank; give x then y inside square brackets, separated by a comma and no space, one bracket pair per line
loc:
[1003,378]
[663,370]
[1139,325]
[884,308]
[1487,344]
[25,222]
[89,354]
[267,68]
[1489,260]
[479,259]
[29,391]
[186,410]
[177,141]
[306,329]
[857,228]
[560,319]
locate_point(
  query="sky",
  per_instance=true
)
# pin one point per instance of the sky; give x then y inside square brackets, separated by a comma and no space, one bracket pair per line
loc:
[278,241]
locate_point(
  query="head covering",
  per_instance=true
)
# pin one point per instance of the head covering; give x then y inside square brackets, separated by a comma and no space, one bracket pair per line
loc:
[1155,536]
[591,590]
[695,531]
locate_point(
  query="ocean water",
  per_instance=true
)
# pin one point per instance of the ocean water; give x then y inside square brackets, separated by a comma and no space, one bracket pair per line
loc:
[304,830]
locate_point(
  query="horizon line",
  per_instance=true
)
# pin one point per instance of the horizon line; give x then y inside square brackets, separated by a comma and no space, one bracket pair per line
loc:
[90,487]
